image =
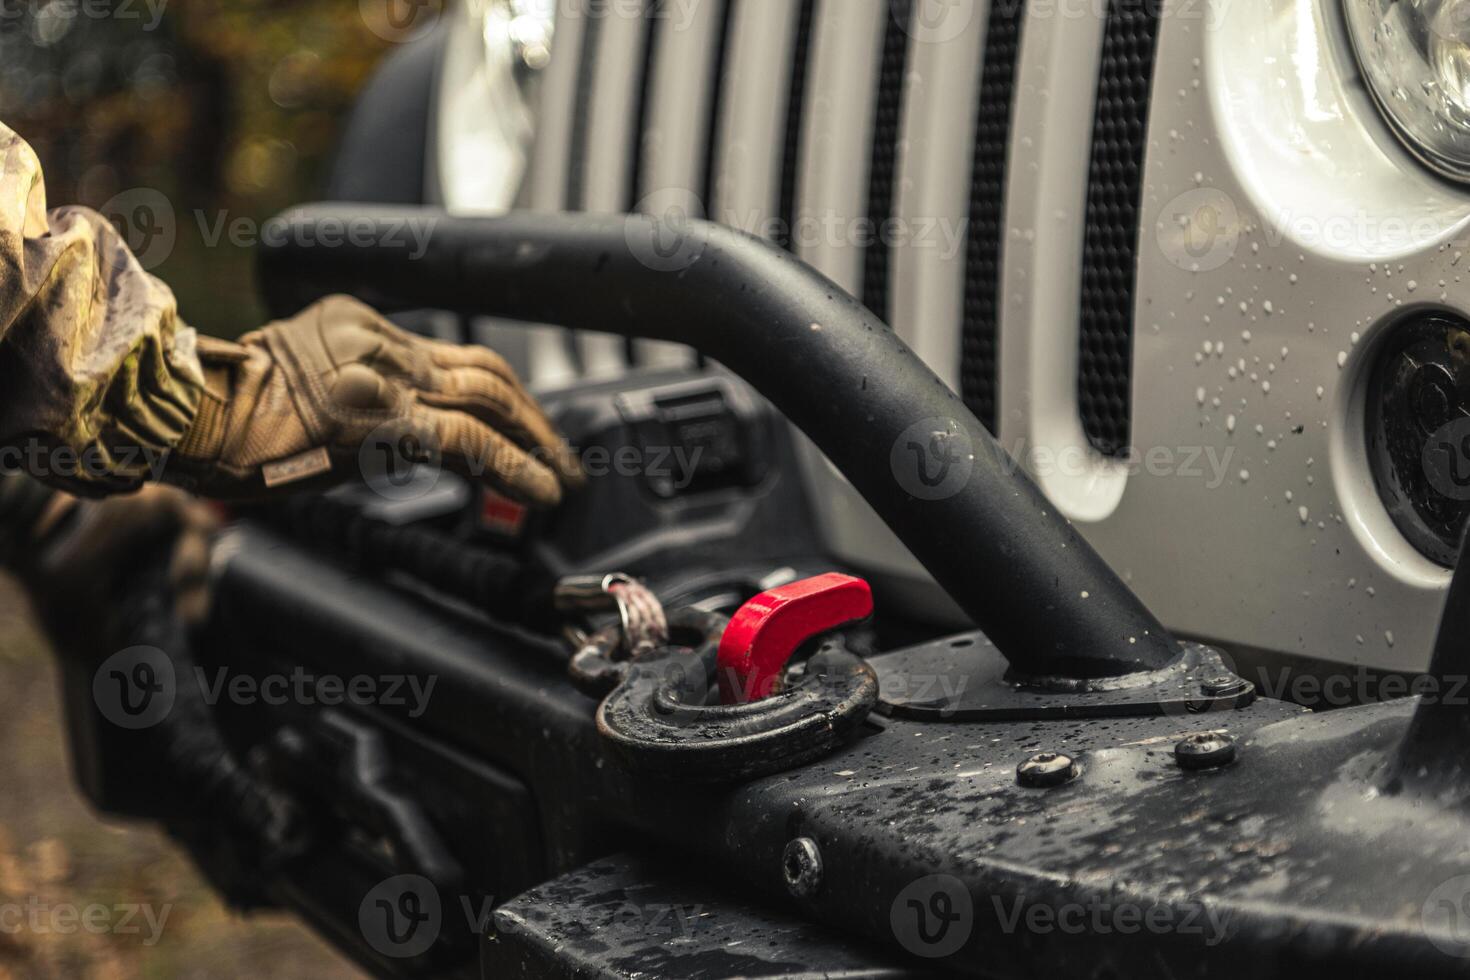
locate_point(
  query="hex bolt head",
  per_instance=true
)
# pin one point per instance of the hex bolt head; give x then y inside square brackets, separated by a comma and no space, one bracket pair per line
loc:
[1204,750]
[801,866]
[1046,769]
[1226,685]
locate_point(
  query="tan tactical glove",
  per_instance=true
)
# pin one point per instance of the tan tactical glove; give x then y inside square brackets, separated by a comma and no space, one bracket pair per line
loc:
[325,394]
[102,389]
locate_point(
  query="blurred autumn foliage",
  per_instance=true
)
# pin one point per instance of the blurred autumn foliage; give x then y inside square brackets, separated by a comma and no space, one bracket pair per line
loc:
[230,108]
[155,917]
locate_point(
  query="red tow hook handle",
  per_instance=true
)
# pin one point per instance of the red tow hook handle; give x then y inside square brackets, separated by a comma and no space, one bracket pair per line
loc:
[765,632]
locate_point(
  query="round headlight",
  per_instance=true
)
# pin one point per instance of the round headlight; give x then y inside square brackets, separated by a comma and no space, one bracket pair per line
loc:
[1416,57]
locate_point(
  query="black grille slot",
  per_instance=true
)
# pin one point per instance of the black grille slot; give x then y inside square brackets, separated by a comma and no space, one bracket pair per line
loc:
[995,100]
[1109,255]
[576,192]
[716,105]
[795,113]
[882,168]
[653,15]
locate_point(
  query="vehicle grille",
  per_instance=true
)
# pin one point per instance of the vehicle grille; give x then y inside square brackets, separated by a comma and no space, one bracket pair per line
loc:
[1113,192]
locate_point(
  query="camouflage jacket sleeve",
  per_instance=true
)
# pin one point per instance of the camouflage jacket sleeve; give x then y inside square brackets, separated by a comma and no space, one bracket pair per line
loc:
[99,379]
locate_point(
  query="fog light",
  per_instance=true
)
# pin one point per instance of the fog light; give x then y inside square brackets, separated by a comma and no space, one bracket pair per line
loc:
[1418,430]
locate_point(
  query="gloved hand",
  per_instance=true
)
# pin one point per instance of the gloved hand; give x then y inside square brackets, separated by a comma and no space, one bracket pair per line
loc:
[103,387]
[131,572]
[82,552]
[303,399]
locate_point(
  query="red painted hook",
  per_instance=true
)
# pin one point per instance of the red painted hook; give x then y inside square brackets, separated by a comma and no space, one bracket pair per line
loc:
[765,632]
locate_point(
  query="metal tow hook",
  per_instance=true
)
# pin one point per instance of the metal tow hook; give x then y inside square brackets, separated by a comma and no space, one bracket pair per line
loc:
[664,715]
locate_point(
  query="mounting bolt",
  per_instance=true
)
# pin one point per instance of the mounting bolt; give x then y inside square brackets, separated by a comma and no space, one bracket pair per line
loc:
[1046,769]
[1205,750]
[1224,686]
[801,866]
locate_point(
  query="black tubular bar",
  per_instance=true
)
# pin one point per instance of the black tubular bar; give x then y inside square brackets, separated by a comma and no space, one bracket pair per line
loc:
[904,439]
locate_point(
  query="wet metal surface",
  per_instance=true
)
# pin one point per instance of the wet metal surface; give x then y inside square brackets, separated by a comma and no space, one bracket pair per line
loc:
[1296,858]
[629,917]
